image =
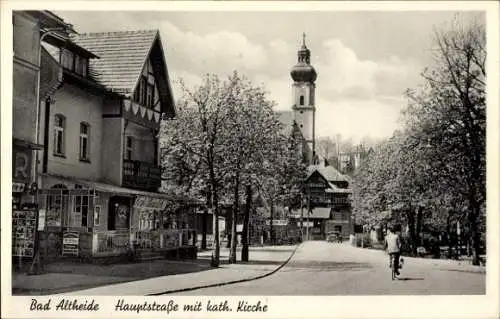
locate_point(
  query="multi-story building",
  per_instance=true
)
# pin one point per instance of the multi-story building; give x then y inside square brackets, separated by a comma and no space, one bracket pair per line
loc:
[100,171]
[30,84]
[327,203]
[28,28]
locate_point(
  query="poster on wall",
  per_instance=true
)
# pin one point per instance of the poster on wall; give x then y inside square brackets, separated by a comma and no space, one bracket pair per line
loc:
[24,225]
[171,239]
[70,244]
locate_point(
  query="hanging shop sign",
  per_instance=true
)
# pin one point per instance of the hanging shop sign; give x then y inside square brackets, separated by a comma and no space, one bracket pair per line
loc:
[24,224]
[41,219]
[145,202]
[306,224]
[18,187]
[277,222]
[70,244]
[21,164]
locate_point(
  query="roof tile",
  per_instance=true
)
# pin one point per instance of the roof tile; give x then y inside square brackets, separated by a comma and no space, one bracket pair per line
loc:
[122,56]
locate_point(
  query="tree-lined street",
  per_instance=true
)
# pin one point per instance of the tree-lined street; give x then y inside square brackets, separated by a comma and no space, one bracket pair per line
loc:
[321,268]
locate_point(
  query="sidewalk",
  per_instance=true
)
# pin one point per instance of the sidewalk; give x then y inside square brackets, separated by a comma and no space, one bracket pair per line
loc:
[150,278]
[444,264]
[64,276]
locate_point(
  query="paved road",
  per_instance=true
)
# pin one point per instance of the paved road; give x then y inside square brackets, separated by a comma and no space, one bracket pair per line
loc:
[321,268]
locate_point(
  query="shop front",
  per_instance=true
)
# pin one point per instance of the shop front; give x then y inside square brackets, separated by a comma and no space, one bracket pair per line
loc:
[91,220]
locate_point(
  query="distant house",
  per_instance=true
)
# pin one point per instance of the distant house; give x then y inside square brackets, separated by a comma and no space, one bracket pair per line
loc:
[328,203]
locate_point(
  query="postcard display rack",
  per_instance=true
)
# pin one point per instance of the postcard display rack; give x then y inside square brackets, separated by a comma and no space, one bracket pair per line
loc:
[24,226]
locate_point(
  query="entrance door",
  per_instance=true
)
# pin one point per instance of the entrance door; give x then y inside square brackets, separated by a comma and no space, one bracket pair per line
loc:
[118,213]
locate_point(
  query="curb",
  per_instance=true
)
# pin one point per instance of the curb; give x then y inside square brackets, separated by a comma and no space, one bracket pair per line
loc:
[230,282]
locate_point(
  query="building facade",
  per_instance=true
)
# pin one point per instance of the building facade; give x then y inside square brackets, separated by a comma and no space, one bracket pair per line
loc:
[98,121]
[30,84]
[327,205]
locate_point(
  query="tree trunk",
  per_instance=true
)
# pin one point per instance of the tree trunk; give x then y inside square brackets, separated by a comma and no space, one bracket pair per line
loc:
[215,209]
[418,232]
[411,226]
[229,227]
[246,222]
[474,233]
[232,253]
[448,234]
[204,223]
[271,228]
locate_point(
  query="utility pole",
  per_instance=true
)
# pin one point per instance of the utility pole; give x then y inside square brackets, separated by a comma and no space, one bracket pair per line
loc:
[302,217]
[308,212]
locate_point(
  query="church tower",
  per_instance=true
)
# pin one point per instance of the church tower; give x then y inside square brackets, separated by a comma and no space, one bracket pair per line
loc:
[303,91]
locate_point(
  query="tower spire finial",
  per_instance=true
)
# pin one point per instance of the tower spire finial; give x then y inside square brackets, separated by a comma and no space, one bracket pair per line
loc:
[303,38]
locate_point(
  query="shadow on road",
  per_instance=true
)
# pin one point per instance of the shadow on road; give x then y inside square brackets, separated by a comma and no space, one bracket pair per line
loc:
[409,278]
[250,262]
[328,265]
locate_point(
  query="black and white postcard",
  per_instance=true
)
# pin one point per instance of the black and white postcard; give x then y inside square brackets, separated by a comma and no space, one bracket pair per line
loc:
[250,159]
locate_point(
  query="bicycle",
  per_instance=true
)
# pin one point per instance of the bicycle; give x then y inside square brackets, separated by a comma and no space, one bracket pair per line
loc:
[393,269]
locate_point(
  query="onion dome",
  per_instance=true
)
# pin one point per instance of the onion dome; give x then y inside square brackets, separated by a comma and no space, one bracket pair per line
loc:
[303,71]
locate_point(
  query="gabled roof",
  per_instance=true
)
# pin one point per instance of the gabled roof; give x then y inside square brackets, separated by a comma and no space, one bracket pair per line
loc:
[122,56]
[328,172]
[320,213]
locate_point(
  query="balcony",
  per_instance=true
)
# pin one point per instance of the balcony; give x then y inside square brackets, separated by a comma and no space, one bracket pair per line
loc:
[141,175]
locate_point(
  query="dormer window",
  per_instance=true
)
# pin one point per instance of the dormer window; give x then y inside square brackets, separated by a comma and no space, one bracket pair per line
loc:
[67,59]
[301,100]
[74,62]
[81,64]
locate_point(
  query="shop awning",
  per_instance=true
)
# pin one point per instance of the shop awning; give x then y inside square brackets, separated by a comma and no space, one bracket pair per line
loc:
[319,213]
[124,191]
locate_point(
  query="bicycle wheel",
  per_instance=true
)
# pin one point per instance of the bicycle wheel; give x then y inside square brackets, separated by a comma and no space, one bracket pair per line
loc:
[393,269]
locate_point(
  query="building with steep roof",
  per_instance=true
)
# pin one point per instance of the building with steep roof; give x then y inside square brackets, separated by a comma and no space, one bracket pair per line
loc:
[328,201]
[100,172]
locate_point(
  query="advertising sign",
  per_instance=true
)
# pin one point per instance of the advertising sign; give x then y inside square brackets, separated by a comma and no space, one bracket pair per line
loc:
[23,232]
[70,243]
[21,164]
[150,203]
[277,222]
[306,224]
[41,219]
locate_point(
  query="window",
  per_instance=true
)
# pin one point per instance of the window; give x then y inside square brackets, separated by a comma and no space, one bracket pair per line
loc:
[150,95]
[129,143]
[80,211]
[67,59]
[301,100]
[142,88]
[56,206]
[81,65]
[59,126]
[84,142]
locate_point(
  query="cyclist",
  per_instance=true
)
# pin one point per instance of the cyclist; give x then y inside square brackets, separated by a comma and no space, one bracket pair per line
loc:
[393,247]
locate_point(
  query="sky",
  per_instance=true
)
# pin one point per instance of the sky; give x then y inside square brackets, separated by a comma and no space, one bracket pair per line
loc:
[364,60]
